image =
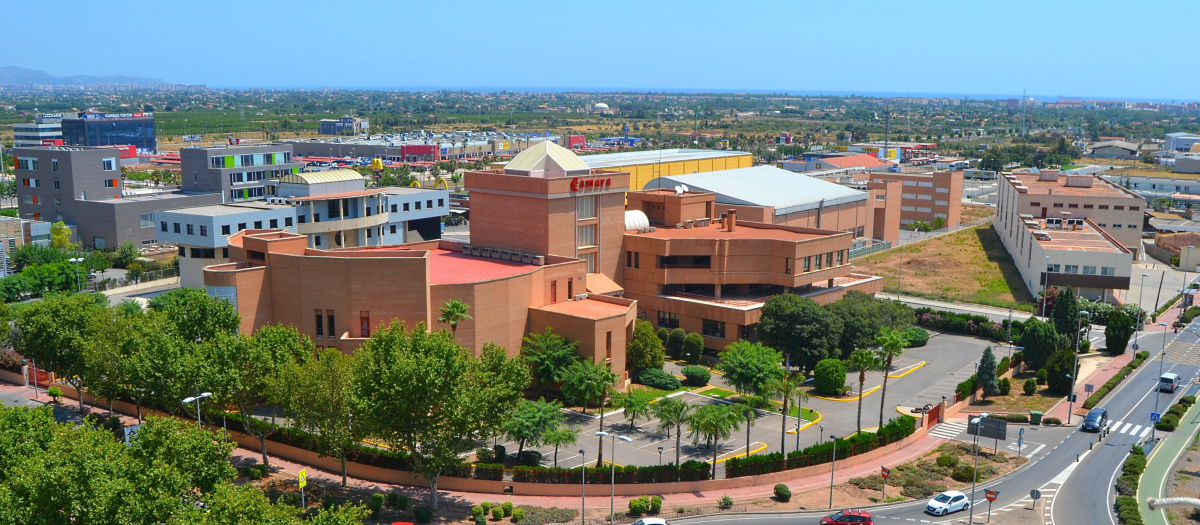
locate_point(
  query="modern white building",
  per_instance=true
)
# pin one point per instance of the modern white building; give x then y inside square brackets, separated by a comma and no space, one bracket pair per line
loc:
[1057,252]
[47,127]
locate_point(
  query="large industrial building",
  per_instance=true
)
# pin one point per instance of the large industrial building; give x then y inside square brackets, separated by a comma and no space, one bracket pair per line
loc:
[644,166]
[925,197]
[552,244]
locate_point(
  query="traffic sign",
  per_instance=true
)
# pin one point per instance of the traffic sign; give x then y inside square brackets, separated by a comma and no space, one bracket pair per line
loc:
[1154,417]
[988,428]
[885,472]
[1035,494]
[303,477]
[1135,347]
[991,495]
[1088,388]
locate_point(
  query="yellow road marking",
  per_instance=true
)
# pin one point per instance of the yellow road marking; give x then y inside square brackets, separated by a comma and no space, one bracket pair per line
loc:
[910,370]
[809,424]
[747,454]
[855,398]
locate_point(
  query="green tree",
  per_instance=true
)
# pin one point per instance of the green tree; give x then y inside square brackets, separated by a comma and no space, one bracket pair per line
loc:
[1040,341]
[1058,369]
[193,316]
[423,394]
[789,389]
[585,381]
[560,436]
[1066,312]
[162,369]
[125,255]
[672,414]
[52,331]
[60,236]
[636,403]
[713,424]
[111,339]
[645,350]
[197,454]
[693,348]
[863,316]
[748,414]
[986,373]
[1116,335]
[891,345]
[530,422]
[750,367]
[829,377]
[674,342]
[800,328]
[549,356]
[862,361]
[316,394]
[453,312]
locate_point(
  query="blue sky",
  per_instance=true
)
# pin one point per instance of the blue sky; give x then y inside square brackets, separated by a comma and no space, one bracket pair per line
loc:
[1094,49]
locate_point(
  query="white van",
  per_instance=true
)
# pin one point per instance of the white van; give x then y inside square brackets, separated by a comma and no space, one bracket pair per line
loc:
[1168,382]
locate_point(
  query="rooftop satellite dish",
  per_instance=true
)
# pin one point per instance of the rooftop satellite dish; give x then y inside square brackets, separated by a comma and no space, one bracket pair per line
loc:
[684,187]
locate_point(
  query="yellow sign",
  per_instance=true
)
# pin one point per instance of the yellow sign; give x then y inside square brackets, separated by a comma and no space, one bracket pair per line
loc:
[376,164]
[303,477]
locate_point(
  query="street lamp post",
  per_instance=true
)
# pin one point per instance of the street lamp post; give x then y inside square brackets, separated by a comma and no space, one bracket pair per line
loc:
[1045,287]
[822,440]
[660,451]
[612,498]
[832,468]
[78,283]
[583,488]
[197,400]
[1141,312]
[1157,391]
[1075,367]
[975,469]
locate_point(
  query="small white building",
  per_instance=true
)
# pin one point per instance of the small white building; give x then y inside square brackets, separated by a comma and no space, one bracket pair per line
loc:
[1063,251]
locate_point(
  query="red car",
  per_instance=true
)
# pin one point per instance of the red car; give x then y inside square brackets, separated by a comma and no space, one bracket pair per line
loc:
[849,517]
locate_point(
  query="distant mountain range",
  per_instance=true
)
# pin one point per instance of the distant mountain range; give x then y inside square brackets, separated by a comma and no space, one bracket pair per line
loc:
[18,75]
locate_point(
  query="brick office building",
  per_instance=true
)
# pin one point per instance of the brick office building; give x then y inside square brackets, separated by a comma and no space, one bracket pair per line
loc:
[924,197]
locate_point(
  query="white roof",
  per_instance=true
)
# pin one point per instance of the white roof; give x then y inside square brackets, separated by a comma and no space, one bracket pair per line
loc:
[547,159]
[788,192]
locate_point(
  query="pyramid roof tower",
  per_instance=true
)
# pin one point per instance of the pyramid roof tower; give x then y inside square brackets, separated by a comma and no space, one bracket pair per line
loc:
[547,160]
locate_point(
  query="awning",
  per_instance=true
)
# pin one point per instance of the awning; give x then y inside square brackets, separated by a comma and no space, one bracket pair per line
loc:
[600,284]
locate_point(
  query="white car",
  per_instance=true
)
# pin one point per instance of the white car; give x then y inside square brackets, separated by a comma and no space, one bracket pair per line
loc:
[650,521]
[947,502]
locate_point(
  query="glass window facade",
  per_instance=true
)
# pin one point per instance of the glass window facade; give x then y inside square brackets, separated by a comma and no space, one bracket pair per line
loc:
[108,132]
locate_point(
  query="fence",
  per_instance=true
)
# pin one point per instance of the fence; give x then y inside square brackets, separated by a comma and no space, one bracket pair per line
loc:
[108,284]
[910,237]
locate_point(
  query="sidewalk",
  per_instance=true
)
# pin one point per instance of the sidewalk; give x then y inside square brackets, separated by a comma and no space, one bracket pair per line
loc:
[1162,462]
[977,309]
[598,497]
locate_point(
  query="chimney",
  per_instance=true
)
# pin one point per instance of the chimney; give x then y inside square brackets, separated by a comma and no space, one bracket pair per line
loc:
[731,218]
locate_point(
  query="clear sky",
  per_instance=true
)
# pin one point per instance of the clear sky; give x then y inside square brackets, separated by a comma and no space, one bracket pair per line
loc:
[1098,48]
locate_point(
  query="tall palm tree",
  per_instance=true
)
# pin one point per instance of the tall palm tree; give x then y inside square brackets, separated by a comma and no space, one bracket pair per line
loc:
[891,343]
[861,361]
[747,414]
[672,414]
[606,378]
[713,423]
[453,312]
[787,389]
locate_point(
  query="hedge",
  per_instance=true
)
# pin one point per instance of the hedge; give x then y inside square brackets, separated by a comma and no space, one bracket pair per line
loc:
[966,324]
[1127,505]
[863,442]
[690,471]
[916,336]
[1109,385]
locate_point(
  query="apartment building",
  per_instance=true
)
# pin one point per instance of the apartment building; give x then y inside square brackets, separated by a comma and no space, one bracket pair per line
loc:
[238,173]
[924,197]
[1056,253]
[1047,194]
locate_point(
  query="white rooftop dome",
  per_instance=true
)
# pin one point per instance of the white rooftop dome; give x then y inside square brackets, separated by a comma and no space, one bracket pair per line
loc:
[600,106]
[635,219]
[547,160]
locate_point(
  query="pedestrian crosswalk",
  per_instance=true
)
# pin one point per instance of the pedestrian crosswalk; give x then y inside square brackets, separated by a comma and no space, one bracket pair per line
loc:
[1183,353]
[1121,427]
[948,430]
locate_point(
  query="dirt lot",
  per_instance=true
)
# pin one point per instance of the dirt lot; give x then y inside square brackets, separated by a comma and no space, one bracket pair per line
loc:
[969,266]
[971,212]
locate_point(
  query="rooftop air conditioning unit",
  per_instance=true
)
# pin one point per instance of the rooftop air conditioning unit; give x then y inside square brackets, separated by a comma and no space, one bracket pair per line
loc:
[495,253]
[539,260]
[678,225]
[581,297]
[466,249]
[505,255]
[688,223]
[527,258]
[475,251]
[651,229]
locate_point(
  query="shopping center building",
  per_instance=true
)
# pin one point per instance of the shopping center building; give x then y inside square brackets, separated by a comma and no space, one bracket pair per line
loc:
[552,245]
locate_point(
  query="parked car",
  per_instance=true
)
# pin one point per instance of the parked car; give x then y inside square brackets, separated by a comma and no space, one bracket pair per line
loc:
[849,517]
[947,502]
[1095,420]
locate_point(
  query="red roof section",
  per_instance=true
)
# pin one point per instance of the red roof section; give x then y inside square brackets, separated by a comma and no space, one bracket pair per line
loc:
[447,267]
[864,160]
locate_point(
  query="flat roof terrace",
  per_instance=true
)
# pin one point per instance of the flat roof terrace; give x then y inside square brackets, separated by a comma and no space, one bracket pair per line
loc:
[445,266]
[1085,237]
[1099,188]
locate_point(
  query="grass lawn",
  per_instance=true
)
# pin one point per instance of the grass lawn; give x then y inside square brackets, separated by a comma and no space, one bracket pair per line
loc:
[970,266]
[657,391]
[729,395]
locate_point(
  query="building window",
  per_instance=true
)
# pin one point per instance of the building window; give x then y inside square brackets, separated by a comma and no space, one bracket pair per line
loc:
[1115,208]
[1134,208]
[58,204]
[1071,268]
[182,251]
[1053,268]
[190,230]
[1115,225]
[829,259]
[608,345]
[204,253]
[941,203]
[787,265]
[320,324]
[287,222]
[668,321]
[587,235]
[908,195]
[27,164]
[203,230]
[241,226]
[224,253]
[1058,205]
[1108,270]
[839,257]
[925,184]
[53,164]
[441,203]
[1102,206]
[224,229]
[164,226]
[712,328]
[1089,270]
[364,321]
[418,205]
[147,218]
[176,227]
[591,262]
[910,183]
[392,228]
[819,259]
[1035,204]
[274,223]
[56,185]
[585,207]
[406,207]
[807,264]
[332,326]
[1087,206]
[628,259]
[943,190]
[924,209]
[1072,205]
[317,240]
[110,164]
[258,225]
[924,197]
[907,208]
[429,204]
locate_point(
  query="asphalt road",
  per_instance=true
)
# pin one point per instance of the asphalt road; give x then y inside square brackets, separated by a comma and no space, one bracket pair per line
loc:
[1080,491]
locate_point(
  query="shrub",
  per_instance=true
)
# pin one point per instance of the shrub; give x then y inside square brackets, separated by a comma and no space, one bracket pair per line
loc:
[658,378]
[402,502]
[506,507]
[391,499]
[1012,418]
[331,502]
[948,461]
[1041,376]
[1187,401]
[921,489]
[782,492]
[1134,465]
[497,513]
[478,513]
[1005,386]
[1030,386]
[963,473]
[485,455]
[1085,346]
[872,482]
[674,342]
[518,515]
[375,504]
[487,507]
[1177,410]
[291,498]
[916,336]
[693,348]
[829,377]
[55,393]
[1127,510]
[663,335]
[1127,485]
[725,501]
[1051,421]
[639,506]
[696,375]
[1167,423]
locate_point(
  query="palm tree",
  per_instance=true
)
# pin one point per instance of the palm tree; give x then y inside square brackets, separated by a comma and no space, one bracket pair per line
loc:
[560,436]
[713,423]
[748,414]
[672,413]
[891,343]
[789,388]
[453,312]
[607,378]
[861,361]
